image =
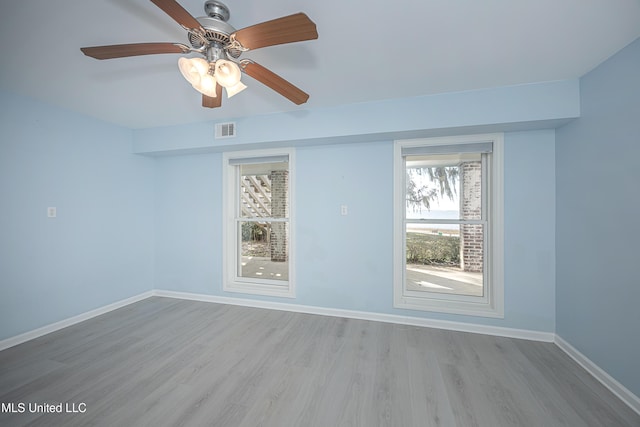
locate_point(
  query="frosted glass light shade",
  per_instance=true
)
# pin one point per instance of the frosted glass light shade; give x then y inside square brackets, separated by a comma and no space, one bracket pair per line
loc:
[207,86]
[193,69]
[235,89]
[227,73]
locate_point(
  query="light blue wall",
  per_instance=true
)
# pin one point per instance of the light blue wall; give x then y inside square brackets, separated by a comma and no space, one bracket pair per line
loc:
[530,106]
[345,157]
[128,223]
[529,205]
[188,216]
[99,249]
[345,262]
[598,226]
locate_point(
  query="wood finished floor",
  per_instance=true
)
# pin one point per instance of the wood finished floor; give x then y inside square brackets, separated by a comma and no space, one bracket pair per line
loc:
[167,362]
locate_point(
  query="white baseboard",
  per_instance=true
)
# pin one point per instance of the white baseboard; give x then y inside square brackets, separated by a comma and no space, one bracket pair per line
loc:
[19,339]
[598,373]
[351,314]
[364,315]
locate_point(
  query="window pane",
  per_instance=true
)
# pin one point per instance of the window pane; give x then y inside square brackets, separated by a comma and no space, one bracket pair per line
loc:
[265,250]
[444,187]
[264,190]
[444,258]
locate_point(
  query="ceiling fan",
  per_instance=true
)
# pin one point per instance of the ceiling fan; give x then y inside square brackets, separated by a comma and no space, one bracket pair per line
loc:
[220,46]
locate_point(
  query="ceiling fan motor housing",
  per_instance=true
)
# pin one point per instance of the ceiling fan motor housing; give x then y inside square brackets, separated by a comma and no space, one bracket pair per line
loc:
[217,31]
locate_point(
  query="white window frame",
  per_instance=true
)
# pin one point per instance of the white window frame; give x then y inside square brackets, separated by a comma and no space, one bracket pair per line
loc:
[232,282]
[491,304]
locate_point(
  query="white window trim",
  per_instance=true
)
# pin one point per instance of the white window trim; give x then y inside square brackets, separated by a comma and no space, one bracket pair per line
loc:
[493,305]
[231,281]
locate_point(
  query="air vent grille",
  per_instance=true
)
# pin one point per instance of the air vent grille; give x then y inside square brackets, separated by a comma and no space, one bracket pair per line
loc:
[225,130]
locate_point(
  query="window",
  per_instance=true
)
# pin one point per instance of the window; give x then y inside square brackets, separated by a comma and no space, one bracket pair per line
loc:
[258,222]
[448,240]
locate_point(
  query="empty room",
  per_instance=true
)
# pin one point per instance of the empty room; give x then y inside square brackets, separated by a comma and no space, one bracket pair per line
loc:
[277,213]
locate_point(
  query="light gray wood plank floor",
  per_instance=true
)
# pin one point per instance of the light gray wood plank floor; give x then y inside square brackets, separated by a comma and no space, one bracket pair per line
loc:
[168,362]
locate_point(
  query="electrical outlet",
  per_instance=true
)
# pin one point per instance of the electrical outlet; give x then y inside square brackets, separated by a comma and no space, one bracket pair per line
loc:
[344,210]
[51,212]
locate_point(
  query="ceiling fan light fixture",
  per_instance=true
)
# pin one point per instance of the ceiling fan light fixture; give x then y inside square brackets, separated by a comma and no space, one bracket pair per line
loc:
[227,73]
[235,89]
[221,45]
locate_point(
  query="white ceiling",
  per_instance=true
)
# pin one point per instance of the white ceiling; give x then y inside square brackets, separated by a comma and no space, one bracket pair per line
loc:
[367,50]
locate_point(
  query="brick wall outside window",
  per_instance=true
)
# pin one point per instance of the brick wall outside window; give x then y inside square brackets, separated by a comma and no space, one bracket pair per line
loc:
[471,236]
[279,209]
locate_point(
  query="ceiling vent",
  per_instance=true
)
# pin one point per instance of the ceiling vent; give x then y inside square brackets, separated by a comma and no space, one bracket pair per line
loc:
[225,130]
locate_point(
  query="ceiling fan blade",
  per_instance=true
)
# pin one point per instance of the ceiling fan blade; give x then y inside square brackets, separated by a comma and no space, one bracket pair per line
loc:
[211,102]
[179,14]
[275,82]
[288,29]
[133,49]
